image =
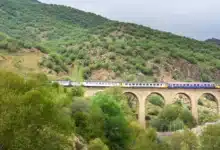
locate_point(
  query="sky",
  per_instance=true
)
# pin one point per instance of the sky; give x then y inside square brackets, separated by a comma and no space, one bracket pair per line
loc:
[199,19]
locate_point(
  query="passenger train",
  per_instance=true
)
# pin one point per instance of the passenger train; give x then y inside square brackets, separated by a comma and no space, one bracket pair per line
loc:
[170,85]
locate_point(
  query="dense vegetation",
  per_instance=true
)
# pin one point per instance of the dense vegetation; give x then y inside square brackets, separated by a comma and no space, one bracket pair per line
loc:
[38,115]
[95,43]
[213,40]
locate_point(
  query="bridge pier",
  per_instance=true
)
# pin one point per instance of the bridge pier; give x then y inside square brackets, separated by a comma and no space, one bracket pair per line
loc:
[194,106]
[141,114]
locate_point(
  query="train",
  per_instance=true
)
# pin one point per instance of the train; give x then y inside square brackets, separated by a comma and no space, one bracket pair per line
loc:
[169,85]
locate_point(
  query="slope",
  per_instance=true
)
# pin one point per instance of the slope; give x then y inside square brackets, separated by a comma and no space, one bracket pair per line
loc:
[213,40]
[105,49]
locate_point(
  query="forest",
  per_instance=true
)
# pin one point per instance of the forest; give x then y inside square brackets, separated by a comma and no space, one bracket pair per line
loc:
[36,114]
[68,37]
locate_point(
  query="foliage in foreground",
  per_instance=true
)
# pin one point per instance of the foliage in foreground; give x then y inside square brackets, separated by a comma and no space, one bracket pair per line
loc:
[37,115]
[33,114]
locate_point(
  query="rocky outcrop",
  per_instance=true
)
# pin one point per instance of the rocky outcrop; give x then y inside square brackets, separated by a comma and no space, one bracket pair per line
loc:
[79,143]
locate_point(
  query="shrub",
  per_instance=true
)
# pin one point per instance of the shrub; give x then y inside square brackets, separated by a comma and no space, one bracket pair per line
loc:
[160,124]
[185,140]
[82,123]
[176,125]
[153,111]
[57,69]
[207,117]
[157,60]
[170,112]
[187,118]
[42,49]
[156,100]
[210,138]
[97,144]
[217,64]
[77,91]
[205,77]
[80,105]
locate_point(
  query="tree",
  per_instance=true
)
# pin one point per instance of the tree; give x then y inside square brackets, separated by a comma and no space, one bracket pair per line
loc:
[33,118]
[116,127]
[147,140]
[170,112]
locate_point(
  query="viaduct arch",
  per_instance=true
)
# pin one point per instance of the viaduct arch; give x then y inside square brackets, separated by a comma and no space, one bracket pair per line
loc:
[167,94]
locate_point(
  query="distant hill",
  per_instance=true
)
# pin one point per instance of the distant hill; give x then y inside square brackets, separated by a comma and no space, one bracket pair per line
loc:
[103,49]
[213,40]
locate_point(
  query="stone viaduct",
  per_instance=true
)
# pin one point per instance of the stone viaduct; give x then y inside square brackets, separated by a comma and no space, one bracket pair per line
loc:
[168,95]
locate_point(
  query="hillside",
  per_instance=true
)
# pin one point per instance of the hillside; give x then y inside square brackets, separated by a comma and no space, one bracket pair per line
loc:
[213,40]
[104,49]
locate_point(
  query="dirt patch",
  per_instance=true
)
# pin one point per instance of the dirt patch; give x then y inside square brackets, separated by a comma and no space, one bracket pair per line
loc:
[103,74]
[23,61]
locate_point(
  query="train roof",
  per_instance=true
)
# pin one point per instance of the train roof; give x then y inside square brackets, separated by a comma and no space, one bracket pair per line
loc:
[191,82]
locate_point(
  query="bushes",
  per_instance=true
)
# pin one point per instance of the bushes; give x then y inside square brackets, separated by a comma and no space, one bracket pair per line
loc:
[173,117]
[54,62]
[77,91]
[156,100]
[185,140]
[170,112]
[205,116]
[37,118]
[186,116]
[97,144]
[176,125]
[210,137]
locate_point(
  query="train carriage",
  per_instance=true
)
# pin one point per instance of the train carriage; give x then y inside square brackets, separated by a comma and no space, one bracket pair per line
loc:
[101,84]
[63,82]
[145,85]
[217,85]
[191,85]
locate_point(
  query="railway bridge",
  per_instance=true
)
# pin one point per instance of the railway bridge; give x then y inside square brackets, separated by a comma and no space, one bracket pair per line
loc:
[168,94]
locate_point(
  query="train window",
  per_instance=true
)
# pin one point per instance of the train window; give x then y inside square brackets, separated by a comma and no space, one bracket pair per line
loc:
[157,84]
[197,84]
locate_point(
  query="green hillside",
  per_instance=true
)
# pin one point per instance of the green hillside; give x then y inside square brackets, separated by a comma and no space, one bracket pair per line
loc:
[104,49]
